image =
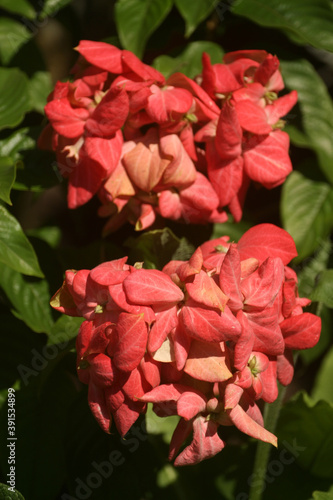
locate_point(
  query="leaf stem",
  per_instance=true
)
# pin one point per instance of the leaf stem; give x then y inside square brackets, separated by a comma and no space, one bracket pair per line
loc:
[271,414]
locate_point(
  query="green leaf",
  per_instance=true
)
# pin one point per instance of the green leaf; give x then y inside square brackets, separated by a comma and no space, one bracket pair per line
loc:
[13,97]
[297,137]
[322,495]
[52,7]
[137,19]
[7,178]
[307,277]
[22,7]
[50,234]
[6,494]
[310,20]
[308,427]
[157,248]
[189,61]
[64,329]
[30,297]
[323,388]
[307,212]
[15,249]
[317,110]
[194,11]
[234,231]
[324,289]
[18,141]
[40,86]
[12,36]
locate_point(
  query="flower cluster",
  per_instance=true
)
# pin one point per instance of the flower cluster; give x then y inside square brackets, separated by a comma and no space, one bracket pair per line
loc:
[181,148]
[203,339]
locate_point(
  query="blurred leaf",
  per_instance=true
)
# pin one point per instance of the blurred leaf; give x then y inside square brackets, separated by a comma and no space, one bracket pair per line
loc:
[324,289]
[49,234]
[64,329]
[137,19]
[322,495]
[30,297]
[310,20]
[297,137]
[40,85]
[309,426]
[323,388]
[307,212]
[16,142]
[317,109]
[157,248]
[52,7]
[161,425]
[189,61]
[15,249]
[7,494]
[12,36]
[22,7]
[309,273]
[7,178]
[14,102]
[234,231]
[194,11]
[38,171]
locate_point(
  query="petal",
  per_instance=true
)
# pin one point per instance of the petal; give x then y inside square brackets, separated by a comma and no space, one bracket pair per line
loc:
[207,361]
[267,240]
[151,287]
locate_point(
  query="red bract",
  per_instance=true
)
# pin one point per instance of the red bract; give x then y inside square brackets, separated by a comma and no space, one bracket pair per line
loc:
[203,339]
[174,148]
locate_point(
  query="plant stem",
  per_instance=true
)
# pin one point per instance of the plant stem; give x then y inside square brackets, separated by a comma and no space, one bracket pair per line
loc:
[271,414]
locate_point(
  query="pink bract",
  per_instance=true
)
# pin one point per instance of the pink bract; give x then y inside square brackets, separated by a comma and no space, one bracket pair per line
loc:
[204,339]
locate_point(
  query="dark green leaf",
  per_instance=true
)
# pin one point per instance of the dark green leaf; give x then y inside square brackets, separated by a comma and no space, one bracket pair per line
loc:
[16,142]
[138,19]
[7,494]
[41,419]
[30,297]
[307,212]
[50,234]
[18,345]
[309,427]
[64,329]
[234,231]
[194,11]
[12,36]
[189,61]
[310,20]
[13,97]
[7,178]
[15,249]
[317,110]
[157,248]
[323,388]
[40,86]
[309,273]
[22,7]
[324,289]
